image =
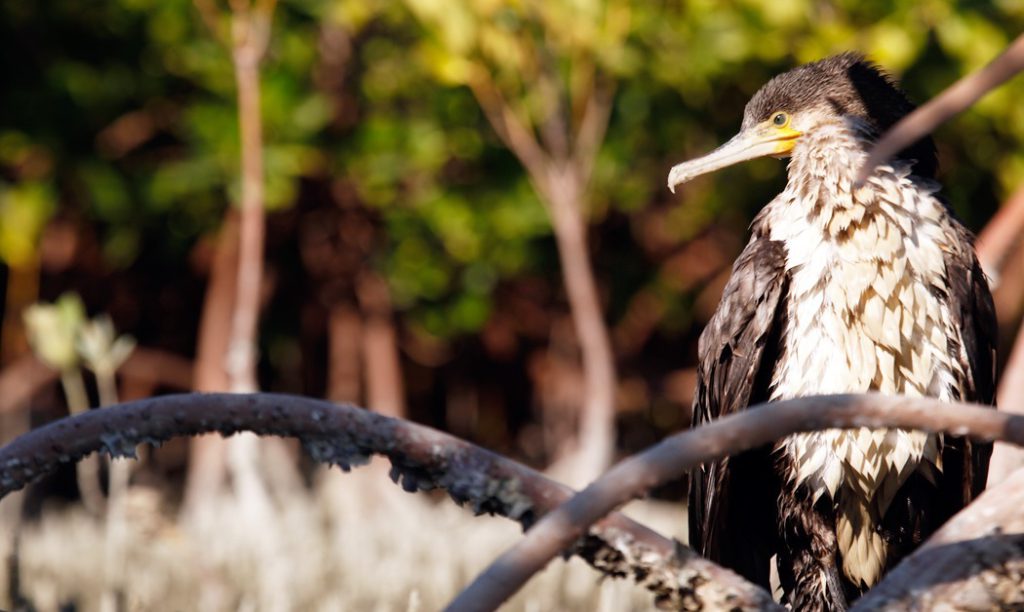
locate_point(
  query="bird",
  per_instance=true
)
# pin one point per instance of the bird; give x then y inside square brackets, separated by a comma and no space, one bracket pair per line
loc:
[843,287]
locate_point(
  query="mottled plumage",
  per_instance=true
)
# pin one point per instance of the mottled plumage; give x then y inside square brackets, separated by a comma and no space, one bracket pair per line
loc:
[839,290]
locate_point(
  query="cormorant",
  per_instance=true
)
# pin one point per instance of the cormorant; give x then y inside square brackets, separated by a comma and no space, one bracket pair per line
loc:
[840,290]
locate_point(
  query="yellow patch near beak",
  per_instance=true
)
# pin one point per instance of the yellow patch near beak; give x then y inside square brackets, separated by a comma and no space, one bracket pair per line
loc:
[785,138]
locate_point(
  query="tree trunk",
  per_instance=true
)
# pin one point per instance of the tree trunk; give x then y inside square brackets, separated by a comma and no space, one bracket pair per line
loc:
[383,369]
[207,468]
[344,336]
[22,291]
[597,418]
[560,175]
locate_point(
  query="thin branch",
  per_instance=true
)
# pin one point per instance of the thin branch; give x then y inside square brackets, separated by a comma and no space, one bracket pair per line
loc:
[511,129]
[135,128]
[211,19]
[636,476]
[158,368]
[260,19]
[250,38]
[22,379]
[382,367]
[553,128]
[239,6]
[593,126]
[421,458]
[266,7]
[956,98]
[1001,236]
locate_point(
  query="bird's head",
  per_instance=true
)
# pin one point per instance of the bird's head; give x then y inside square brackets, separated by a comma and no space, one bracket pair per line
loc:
[795,103]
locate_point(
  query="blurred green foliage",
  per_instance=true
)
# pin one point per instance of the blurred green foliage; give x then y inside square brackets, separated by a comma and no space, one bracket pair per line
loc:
[122,113]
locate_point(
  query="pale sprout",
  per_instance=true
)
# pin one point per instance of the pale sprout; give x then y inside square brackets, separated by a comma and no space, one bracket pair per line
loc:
[53,329]
[101,348]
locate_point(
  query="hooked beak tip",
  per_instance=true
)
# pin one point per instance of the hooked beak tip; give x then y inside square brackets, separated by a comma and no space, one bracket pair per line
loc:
[674,179]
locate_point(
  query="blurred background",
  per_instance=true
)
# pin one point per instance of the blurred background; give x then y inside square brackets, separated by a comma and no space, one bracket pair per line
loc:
[464,223]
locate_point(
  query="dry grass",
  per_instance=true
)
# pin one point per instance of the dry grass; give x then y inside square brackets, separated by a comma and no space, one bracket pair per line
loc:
[351,544]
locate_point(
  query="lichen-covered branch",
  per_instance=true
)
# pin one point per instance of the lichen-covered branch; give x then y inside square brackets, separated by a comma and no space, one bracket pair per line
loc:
[751,428]
[421,458]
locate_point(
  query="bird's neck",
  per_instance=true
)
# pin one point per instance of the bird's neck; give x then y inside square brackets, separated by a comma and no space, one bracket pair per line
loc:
[824,165]
[822,172]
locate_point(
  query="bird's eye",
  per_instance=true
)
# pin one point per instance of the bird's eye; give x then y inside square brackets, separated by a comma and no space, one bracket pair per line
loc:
[780,119]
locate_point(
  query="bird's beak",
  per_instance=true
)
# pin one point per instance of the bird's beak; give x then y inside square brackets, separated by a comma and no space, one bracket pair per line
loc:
[756,141]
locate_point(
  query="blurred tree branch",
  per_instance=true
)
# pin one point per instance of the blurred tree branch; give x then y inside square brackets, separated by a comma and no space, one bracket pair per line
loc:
[1001,236]
[593,126]
[509,127]
[25,377]
[422,459]
[207,469]
[636,476]
[956,98]
[1007,459]
[211,18]
[558,154]
[250,36]
[383,368]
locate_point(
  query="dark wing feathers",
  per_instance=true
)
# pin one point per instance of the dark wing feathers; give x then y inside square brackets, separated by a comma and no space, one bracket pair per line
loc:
[966,462]
[735,525]
[976,318]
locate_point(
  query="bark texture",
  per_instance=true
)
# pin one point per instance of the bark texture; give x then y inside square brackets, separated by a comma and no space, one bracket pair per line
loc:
[421,458]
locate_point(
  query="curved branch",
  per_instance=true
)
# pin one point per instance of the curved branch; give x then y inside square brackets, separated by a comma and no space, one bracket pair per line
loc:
[421,459]
[634,477]
[954,99]
[26,376]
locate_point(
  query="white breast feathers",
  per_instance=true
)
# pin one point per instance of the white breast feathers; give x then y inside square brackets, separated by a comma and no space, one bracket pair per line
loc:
[861,315]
